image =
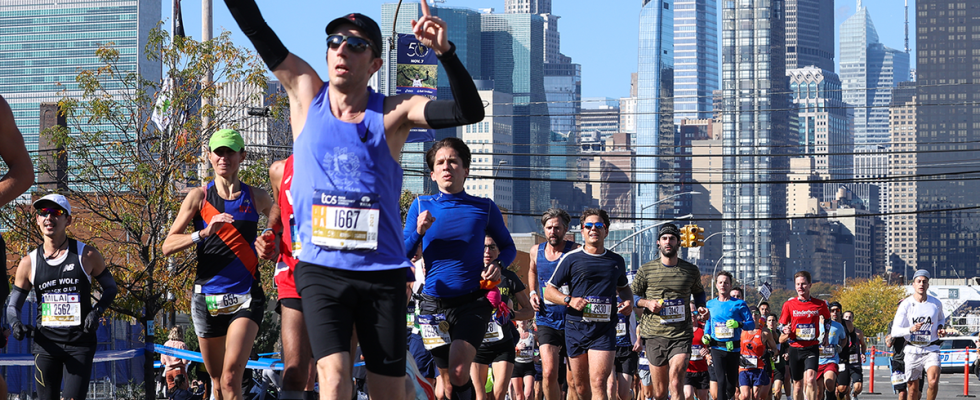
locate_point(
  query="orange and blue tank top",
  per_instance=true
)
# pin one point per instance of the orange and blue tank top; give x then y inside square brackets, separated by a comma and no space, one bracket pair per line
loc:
[226,261]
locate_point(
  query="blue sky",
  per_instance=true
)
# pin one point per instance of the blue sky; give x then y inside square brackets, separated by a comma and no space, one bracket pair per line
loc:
[602,41]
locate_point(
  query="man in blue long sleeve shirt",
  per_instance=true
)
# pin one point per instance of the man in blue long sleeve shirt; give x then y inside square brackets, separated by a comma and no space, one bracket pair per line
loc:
[451,227]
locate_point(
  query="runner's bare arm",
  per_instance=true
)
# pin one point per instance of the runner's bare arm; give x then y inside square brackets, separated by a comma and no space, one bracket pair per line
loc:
[20,170]
[299,79]
[266,250]
[525,312]
[177,239]
[532,279]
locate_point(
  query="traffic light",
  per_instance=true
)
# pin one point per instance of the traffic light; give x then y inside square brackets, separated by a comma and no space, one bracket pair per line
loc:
[698,237]
[688,238]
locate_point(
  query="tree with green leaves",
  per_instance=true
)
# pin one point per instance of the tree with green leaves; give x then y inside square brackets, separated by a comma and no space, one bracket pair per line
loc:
[873,302]
[127,176]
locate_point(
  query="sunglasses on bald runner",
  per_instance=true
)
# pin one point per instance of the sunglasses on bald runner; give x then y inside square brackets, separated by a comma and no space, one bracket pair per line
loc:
[356,44]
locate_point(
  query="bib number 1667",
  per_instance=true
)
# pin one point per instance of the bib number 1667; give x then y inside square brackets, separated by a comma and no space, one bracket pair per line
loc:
[346,219]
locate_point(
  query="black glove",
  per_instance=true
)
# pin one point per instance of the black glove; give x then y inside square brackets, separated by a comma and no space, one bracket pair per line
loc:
[20,331]
[92,321]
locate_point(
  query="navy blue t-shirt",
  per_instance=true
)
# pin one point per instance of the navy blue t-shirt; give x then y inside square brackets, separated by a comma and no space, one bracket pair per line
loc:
[596,277]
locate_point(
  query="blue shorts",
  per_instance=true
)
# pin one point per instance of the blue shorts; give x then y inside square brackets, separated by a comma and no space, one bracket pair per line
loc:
[753,377]
[580,337]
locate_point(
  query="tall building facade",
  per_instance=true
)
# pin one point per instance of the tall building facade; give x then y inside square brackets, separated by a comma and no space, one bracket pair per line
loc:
[527,6]
[466,35]
[512,48]
[563,90]
[902,254]
[490,143]
[947,46]
[695,58]
[823,121]
[47,45]
[810,34]
[654,114]
[755,124]
[602,117]
[868,72]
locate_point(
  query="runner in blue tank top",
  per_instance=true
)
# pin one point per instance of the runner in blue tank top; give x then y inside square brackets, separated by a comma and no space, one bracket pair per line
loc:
[454,311]
[347,139]
[550,317]
[228,301]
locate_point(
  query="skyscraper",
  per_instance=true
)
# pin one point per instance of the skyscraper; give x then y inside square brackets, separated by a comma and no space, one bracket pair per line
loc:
[46,45]
[810,34]
[948,122]
[655,117]
[868,72]
[695,58]
[527,6]
[823,120]
[755,125]
[902,228]
[512,57]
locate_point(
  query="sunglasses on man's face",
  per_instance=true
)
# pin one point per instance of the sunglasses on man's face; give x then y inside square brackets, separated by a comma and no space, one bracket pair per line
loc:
[356,44]
[54,212]
[491,247]
[597,225]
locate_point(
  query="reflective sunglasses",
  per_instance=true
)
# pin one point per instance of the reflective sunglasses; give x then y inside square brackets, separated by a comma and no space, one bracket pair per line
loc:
[356,44]
[490,247]
[53,212]
[597,225]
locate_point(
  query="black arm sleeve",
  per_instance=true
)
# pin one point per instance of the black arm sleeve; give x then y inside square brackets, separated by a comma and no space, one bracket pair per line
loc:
[109,290]
[249,19]
[466,108]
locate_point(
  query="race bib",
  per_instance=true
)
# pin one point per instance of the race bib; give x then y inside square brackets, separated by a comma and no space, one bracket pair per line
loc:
[410,319]
[643,358]
[696,352]
[494,332]
[672,311]
[227,303]
[599,309]
[722,331]
[898,377]
[806,332]
[61,309]
[345,221]
[854,359]
[827,351]
[841,367]
[921,338]
[620,329]
[525,355]
[294,236]
[750,362]
[435,330]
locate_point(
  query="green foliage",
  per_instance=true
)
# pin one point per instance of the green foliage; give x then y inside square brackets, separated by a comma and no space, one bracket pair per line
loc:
[873,302]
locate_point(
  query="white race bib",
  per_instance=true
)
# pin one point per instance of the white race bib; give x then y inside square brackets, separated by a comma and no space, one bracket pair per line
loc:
[749,362]
[227,303]
[898,378]
[61,309]
[620,329]
[806,332]
[696,352]
[722,331]
[494,332]
[345,221]
[827,351]
[921,338]
[854,359]
[643,358]
[598,309]
[435,330]
[672,311]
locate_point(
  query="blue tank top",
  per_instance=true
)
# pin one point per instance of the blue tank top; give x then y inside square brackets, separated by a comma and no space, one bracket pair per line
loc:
[226,261]
[345,190]
[551,315]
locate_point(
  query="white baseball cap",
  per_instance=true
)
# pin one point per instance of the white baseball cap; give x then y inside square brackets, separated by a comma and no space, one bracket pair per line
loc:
[55,198]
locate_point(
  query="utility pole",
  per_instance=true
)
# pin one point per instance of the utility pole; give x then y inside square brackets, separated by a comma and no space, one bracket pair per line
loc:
[206,19]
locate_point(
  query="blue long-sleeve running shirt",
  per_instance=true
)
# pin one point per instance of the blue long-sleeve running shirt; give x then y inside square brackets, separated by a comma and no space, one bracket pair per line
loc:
[453,246]
[721,312]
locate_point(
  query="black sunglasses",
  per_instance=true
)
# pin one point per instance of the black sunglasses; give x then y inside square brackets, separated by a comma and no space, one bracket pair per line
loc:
[356,44]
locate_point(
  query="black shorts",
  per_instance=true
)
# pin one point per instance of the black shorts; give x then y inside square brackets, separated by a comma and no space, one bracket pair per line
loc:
[777,372]
[856,371]
[523,369]
[698,380]
[56,363]
[843,377]
[627,361]
[208,326]
[803,359]
[502,350]
[660,350]
[337,300]
[467,316]
[290,303]
[552,336]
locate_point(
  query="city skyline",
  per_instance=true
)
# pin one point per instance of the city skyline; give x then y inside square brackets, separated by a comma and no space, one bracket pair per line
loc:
[602,75]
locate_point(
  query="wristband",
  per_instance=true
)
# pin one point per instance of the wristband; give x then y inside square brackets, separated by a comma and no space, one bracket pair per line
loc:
[534,293]
[196,237]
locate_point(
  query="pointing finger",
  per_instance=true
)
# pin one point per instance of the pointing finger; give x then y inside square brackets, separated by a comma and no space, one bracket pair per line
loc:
[425,8]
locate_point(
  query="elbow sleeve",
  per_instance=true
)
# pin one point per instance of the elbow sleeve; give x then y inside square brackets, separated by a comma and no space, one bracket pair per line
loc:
[267,44]
[466,107]
[17,298]
[109,289]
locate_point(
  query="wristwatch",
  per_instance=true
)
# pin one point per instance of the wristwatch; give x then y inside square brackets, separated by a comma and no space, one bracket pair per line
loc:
[568,299]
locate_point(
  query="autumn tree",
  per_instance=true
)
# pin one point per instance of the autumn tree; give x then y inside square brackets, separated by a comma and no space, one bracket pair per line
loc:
[873,302]
[127,178]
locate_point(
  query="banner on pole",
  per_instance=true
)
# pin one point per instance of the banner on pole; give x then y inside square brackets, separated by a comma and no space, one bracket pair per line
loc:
[765,290]
[416,73]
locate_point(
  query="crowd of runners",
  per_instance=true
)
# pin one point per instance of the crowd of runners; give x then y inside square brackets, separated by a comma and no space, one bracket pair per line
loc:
[580,327]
